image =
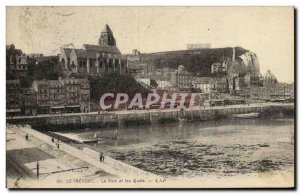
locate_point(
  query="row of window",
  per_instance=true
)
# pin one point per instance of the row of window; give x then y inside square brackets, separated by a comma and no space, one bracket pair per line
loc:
[101,64]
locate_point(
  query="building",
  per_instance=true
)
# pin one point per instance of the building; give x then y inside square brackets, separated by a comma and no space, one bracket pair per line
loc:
[205,84]
[34,55]
[134,57]
[269,79]
[184,79]
[209,84]
[219,67]
[220,85]
[278,92]
[85,95]
[63,95]
[42,90]
[16,62]
[50,96]
[163,84]
[180,78]
[95,60]
[13,97]
[77,94]
[282,91]
[46,60]
[138,70]
[29,102]
[198,46]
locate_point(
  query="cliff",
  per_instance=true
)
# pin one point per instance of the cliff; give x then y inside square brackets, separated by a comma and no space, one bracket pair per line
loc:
[198,61]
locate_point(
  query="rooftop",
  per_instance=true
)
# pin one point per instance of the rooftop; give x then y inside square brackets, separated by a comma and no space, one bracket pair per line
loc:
[102,48]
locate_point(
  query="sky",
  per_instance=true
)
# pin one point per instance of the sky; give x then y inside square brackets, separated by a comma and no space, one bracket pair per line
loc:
[266,31]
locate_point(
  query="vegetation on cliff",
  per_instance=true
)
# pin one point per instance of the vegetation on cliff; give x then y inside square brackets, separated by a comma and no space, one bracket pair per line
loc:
[115,83]
[197,61]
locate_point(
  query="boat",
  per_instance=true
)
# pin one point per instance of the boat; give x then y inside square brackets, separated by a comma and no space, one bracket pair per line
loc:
[246,115]
[92,140]
[182,119]
[96,138]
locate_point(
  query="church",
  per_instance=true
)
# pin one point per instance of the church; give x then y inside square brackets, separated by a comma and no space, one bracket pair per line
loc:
[94,60]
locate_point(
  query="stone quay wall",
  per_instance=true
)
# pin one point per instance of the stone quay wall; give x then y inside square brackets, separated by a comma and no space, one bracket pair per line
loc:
[143,117]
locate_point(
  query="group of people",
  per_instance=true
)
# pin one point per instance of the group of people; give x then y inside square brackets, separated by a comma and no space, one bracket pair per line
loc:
[57,144]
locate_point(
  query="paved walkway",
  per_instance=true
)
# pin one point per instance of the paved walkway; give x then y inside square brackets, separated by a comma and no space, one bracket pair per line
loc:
[110,165]
[60,163]
[52,161]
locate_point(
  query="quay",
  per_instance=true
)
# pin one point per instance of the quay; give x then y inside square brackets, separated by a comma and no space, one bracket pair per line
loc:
[142,117]
[59,163]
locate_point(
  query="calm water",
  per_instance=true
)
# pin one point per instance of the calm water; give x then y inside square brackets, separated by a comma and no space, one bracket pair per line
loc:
[225,147]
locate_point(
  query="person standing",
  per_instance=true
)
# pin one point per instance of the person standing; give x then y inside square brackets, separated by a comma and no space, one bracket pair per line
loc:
[100,157]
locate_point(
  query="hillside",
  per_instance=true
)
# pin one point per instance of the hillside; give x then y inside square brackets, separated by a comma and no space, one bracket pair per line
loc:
[114,83]
[196,61]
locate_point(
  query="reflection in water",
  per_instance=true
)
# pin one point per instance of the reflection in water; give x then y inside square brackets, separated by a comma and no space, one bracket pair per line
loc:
[223,147]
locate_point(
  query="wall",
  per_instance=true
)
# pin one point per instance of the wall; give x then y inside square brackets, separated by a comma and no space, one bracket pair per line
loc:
[58,122]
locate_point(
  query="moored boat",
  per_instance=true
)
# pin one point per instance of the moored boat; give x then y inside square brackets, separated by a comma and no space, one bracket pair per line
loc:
[92,140]
[246,115]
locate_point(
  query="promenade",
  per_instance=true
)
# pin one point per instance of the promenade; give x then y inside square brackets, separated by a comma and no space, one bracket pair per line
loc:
[57,164]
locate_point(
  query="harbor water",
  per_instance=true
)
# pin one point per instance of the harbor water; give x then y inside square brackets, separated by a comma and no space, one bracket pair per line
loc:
[219,148]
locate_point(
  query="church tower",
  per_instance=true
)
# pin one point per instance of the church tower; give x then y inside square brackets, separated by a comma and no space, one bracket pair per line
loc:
[107,37]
